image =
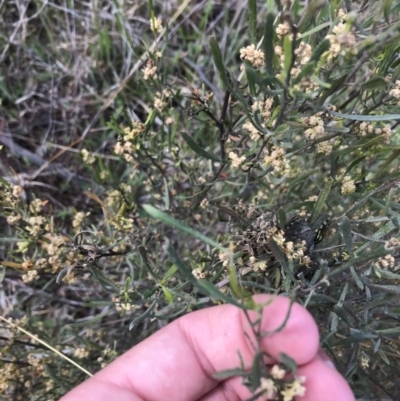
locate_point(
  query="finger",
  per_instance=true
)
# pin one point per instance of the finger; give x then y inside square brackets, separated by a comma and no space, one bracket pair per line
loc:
[179,361]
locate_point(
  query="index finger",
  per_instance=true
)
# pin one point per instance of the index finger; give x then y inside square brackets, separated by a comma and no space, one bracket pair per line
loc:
[178,362]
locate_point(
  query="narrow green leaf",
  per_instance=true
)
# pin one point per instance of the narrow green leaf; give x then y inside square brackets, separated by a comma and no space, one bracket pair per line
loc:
[281,218]
[360,335]
[345,227]
[393,330]
[393,156]
[145,261]
[306,71]
[268,43]
[357,279]
[288,54]
[165,218]
[337,129]
[203,285]
[256,372]
[219,63]
[246,184]
[309,13]
[389,274]
[320,50]
[289,362]
[233,282]
[280,256]
[91,320]
[50,373]
[374,83]
[166,195]
[251,78]
[321,83]
[252,19]
[383,356]
[342,314]
[143,316]
[226,374]
[343,295]
[168,294]
[316,29]
[320,204]
[390,289]
[209,289]
[354,163]
[389,200]
[171,271]
[386,229]
[217,57]
[104,281]
[358,117]
[386,6]
[4,182]
[63,273]
[197,149]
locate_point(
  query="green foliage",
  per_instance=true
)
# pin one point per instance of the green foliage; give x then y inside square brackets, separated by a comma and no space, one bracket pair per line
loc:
[148,171]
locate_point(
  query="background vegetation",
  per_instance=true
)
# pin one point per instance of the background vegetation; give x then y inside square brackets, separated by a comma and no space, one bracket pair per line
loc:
[153,167]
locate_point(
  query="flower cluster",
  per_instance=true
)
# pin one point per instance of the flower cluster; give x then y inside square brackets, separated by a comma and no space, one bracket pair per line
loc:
[348,186]
[255,56]
[364,361]
[392,243]
[303,54]
[296,251]
[36,224]
[13,219]
[283,29]
[342,42]
[395,92]
[316,131]
[204,203]
[256,265]
[159,100]
[150,70]
[224,258]
[156,25]
[316,128]
[121,306]
[264,107]
[365,128]
[252,130]
[294,389]
[277,160]
[274,384]
[385,262]
[236,161]
[198,273]
[37,205]
[127,143]
[81,353]
[78,219]
[30,276]
[88,158]
[368,128]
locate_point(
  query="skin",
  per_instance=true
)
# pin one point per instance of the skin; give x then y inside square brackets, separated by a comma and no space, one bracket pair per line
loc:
[178,362]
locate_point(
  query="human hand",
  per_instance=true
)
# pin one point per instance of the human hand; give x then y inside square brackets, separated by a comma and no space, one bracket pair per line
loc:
[178,362]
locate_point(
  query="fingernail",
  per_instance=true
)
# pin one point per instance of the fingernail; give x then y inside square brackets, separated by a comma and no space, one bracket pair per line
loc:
[330,364]
[325,358]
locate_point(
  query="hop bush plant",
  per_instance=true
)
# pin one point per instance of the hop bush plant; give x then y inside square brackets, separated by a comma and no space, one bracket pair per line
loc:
[159,157]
